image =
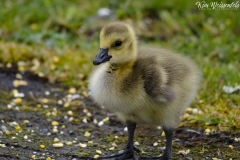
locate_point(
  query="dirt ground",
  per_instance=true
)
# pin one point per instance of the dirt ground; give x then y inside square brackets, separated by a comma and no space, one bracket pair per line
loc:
[29,127]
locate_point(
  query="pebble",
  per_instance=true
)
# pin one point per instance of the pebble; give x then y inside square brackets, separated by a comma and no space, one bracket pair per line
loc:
[100,123]
[47,93]
[71,132]
[66,105]
[18,101]
[82,145]
[42,146]
[21,68]
[34,156]
[56,140]
[136,143]
[71,119]
[121,151]
[95,121]
[96,156]
[159,127]
[207,131]
[60,102]
[48,158]
[186,115]
[105,119]
[9,65]
[85,110]
[70,113]
[45,106]
[7,132]
[189,110]
[19,76]
[18,128]
[87,134]
[25,121]
[55,123]
[57,145]
[237,139]
[89,114]
[69,143]
[2,145]
[17,83]
[85,120]
[114,144]
[230,146]
[85,94]
[4,128]
[19,95]
[98,152]
[163,134]
[155,144]
[104,12]
[111,149]
[14,91]
[13,123]
[55,130]
[9,106]
[74,141]
[72,90]
[184,152]
[45,100]
[55,59]
[195,111]
[75,96]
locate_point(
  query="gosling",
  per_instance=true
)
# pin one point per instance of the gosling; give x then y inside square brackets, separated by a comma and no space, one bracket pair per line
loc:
[142,84]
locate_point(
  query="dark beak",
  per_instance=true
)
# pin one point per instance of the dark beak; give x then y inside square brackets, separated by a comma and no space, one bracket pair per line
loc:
[102,56]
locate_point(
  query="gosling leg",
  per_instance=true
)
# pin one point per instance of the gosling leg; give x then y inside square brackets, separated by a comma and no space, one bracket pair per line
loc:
[167,155]
[129,151]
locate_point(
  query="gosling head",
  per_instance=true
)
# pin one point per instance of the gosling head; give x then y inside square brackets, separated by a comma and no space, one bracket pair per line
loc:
[117,44]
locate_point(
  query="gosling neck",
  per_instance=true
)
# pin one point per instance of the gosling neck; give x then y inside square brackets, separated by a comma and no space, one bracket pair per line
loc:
[124,66]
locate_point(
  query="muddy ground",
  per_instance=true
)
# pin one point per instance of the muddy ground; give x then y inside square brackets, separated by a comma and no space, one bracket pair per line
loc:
[85,129]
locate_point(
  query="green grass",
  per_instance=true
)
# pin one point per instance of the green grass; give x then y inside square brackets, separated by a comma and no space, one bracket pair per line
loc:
[62,37]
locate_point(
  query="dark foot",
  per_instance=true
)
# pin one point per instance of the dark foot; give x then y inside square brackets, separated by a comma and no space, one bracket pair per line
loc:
[157,158]
[129,152]
[126,154]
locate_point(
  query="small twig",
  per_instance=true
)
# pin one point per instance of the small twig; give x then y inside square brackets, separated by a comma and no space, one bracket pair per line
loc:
[32,96]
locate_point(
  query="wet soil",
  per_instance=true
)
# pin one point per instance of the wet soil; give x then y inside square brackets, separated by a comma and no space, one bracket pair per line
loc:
[25,143]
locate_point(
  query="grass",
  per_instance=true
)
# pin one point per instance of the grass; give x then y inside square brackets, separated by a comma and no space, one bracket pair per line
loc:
[58,39]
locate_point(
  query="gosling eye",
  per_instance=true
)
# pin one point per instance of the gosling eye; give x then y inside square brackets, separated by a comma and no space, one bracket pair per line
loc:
[117,44]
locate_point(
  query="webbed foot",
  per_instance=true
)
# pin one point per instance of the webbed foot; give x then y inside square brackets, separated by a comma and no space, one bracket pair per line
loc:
[126,154]
[157,158]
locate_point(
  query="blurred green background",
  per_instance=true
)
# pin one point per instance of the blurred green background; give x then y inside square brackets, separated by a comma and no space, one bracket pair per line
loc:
[58,39]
